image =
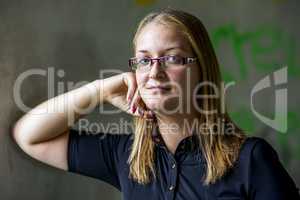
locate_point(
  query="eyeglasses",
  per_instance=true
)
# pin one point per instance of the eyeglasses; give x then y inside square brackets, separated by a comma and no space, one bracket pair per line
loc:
[165,61]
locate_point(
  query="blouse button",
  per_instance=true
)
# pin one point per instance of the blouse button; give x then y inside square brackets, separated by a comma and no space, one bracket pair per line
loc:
[171,188]
[173,166]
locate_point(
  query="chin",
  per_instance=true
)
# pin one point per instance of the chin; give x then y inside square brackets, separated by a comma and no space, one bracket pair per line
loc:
[162,105]
[153,104]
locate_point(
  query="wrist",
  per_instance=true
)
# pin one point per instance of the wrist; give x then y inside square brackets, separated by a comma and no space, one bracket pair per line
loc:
[98,86]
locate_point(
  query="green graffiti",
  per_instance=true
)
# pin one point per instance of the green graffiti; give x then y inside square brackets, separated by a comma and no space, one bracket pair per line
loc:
[246,120]
[264,49]
[268,46]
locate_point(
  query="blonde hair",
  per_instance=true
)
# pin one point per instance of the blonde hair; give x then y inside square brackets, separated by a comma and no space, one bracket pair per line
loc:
[219,150]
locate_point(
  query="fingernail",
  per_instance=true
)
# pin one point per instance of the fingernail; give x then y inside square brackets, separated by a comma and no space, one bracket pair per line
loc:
[133,109]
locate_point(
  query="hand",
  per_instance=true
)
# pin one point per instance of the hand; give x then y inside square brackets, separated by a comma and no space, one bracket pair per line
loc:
[124,94]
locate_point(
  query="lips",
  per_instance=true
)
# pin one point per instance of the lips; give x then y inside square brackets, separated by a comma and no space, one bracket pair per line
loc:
[159,87]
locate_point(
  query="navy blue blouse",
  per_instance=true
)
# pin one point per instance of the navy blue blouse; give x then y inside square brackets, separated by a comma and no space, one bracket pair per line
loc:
[258,173]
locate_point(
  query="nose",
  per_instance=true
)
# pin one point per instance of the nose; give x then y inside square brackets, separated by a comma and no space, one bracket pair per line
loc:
[156,71]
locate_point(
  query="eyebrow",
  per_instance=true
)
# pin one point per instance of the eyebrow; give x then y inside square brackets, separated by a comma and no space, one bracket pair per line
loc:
[168,49]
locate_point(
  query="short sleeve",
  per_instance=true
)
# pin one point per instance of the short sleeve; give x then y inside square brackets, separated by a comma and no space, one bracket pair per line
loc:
[268,178]
[94,155]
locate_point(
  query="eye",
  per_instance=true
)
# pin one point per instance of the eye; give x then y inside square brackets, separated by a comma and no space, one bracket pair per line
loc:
[174,59]
[144,61]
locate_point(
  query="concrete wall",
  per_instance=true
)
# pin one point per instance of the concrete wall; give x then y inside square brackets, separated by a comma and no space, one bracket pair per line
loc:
[252,40]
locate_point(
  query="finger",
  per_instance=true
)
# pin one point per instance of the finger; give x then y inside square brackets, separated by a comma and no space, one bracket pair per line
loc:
[136,111]
[131,84]
[141,112]
[135,103]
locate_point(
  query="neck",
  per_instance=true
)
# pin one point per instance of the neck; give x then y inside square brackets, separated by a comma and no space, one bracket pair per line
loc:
[174,128]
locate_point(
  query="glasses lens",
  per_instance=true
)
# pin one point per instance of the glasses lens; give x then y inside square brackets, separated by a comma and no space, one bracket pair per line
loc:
[175,60]
[144,61]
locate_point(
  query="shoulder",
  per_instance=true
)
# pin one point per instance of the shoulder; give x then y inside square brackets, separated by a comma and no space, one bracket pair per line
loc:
[265,175]
[255,148]
[257,156]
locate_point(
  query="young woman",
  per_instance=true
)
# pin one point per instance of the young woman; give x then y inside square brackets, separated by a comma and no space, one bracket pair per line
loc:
[179,149]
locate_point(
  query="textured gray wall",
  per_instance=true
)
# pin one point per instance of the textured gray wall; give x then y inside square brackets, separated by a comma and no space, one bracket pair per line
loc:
[252,39]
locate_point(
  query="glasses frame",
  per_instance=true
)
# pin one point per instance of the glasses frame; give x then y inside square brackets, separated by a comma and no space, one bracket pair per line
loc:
[184,60]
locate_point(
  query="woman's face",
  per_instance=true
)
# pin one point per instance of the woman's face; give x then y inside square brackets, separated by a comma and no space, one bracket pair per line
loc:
[165,89]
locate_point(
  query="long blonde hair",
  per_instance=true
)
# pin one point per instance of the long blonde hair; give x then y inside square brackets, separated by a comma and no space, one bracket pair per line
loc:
[219,150]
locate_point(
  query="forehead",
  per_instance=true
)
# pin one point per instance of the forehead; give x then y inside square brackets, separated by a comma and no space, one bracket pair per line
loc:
[157,37]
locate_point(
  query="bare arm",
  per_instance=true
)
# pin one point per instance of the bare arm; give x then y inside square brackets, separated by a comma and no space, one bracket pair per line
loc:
[43,132]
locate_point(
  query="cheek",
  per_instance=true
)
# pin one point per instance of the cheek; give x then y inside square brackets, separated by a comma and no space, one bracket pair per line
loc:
[185,78]
[195,76]
[178,76]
